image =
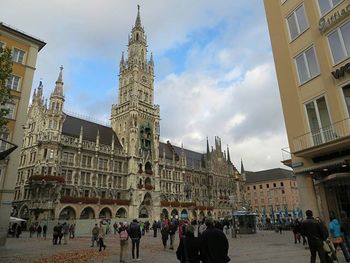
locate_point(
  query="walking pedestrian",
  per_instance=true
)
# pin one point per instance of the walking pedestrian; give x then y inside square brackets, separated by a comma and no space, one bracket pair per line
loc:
[189,247]
[94,237]
[60,233]
[315,234]
[31,230]
[213,244]
[44,231]
[165,235]
[296,231]
[72,231]
[115,228]
[155,228]
[65,232]
[55,234]
[337,235]
[172,231]
[38,231]
[135,235]
[124,237]
[101,234]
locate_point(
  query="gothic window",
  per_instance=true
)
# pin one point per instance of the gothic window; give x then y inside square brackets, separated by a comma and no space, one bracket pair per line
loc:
[137,36]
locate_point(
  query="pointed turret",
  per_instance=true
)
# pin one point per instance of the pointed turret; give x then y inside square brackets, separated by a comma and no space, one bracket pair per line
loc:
[228,155]
[40,90]
[151,62]
[242,167]
[58,91]
[121,64]
[138,18]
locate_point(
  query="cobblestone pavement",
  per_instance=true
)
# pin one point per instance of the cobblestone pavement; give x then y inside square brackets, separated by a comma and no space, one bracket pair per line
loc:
[265,246]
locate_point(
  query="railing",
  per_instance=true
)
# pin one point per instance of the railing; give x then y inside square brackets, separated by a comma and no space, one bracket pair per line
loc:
[286,154]
[326,134]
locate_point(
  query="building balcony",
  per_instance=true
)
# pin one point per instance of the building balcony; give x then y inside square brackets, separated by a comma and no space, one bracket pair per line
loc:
[322,141]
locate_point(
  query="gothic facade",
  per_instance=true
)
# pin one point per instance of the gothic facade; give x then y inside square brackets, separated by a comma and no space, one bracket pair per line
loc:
[71,168]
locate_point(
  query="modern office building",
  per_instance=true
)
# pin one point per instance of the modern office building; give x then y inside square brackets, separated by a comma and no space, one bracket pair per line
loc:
[25,49]
[273,191]
[311,48]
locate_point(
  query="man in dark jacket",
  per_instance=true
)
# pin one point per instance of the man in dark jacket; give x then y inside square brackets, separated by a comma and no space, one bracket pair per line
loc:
[188,249]
[315,234]
[213,244]
[135,236]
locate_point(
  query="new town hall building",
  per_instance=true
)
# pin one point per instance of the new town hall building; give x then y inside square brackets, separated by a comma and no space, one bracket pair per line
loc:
[71,168]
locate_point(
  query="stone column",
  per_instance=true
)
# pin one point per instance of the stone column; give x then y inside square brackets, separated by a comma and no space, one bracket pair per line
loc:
[307,194]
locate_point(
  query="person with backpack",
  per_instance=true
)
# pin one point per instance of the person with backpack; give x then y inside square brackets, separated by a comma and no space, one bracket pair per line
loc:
[94,237]
[101,235]
[124,237]
[135,235]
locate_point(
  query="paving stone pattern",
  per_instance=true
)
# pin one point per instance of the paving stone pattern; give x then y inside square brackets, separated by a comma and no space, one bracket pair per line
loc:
[265,246]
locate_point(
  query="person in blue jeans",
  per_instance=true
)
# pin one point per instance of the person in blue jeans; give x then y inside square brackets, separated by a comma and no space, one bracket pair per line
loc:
[337,235]
[135,236]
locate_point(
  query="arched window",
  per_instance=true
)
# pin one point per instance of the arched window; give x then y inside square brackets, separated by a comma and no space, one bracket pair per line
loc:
[137,36]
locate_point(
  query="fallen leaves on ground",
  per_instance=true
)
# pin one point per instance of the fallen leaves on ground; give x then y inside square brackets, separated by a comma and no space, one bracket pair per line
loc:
[80,256]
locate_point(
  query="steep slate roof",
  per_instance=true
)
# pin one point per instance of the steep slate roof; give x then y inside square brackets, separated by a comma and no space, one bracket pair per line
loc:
[268,175]
[72,125]
[193,158]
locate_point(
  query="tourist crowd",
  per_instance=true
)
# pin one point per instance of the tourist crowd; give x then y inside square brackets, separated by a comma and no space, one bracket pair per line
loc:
[322,240]
[209,246]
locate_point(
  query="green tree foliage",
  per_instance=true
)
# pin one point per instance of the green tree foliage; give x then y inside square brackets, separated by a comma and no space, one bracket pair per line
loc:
[5,72]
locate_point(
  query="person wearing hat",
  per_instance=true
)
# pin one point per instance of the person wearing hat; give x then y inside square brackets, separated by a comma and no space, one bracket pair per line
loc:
[189,247]
[213,244]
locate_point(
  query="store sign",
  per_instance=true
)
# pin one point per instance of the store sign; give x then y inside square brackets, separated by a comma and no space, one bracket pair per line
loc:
[340,72]
[326,23]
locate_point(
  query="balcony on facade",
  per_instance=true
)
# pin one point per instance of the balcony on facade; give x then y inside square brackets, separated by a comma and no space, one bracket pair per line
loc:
[334,137]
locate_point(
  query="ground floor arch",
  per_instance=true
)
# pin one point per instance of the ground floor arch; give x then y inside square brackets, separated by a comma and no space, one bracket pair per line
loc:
[87,213]
[143,212]
[184,214]
[105,212]
[174,213]
[121,213]
[164,214]
[24,212]
[67,213]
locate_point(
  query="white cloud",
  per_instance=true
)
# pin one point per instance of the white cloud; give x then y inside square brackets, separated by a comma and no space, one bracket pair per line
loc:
[228,87]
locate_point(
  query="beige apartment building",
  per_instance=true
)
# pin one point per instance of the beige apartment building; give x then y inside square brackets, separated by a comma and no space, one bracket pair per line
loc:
[272,190]
[311,48]
[24,55]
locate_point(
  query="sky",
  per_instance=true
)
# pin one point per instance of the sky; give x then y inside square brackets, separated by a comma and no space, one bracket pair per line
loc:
[214,67]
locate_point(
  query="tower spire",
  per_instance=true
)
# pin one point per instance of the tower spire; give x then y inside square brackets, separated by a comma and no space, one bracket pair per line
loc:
[138,18]
[60,78]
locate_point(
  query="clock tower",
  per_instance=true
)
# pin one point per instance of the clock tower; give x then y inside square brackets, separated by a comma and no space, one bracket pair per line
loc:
[135,119]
